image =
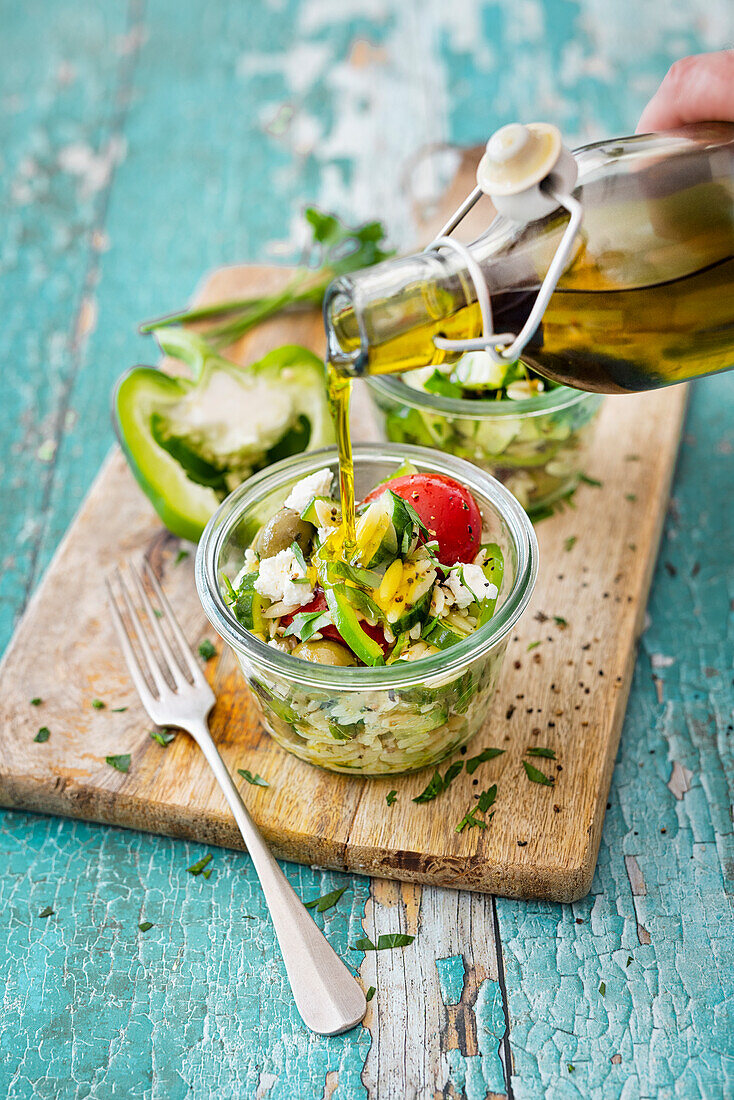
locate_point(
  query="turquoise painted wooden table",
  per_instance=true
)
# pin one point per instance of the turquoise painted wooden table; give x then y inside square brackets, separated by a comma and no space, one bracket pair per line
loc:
[141,144]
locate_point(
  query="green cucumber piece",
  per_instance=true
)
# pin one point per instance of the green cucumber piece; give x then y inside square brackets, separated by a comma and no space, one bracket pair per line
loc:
[249,605]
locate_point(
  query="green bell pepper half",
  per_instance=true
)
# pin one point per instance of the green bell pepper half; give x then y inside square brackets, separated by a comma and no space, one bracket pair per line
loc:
[150,408]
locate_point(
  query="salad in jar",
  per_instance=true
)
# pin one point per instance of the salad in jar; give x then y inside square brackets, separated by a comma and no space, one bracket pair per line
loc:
[530,433]
[382,657]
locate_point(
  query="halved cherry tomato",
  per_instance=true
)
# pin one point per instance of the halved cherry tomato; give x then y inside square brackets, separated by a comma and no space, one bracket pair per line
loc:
[448,510]
[318,603]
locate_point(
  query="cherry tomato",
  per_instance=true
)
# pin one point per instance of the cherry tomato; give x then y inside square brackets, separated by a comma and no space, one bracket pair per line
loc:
[318,603]
[448,510]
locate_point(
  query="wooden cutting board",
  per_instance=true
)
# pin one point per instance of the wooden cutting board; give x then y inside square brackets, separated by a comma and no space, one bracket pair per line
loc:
[567,693]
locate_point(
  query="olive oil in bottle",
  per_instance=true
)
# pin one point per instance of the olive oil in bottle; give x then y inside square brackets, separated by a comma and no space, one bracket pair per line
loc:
[646,300]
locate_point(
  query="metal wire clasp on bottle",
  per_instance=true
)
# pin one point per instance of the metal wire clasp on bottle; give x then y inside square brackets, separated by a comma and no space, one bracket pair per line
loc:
[527,172]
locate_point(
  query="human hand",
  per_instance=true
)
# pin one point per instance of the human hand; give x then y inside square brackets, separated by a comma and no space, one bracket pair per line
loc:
[696,89]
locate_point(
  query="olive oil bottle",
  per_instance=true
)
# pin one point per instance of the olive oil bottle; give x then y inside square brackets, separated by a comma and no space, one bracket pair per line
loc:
[645,300]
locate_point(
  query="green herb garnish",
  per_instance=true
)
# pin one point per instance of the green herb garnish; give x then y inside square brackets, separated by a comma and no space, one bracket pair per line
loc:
[532,645]
[336,250]
[163,737]
[536,750]
[385,942]
[537,776]
[439,783]
[230,596]
[370,993]
[182,555]
[121,763]
[118,710]
[390,797]
[207,873]
[560,622]
[570,542]
[47,912]
[590,481]
[485,801]
[630,496]
[629,960]
[98,704]
[602,988]
[196,868]
[37,701]
[145,926]
[255,780]
[207,650]
[486,754]
[327,901]
[43,735]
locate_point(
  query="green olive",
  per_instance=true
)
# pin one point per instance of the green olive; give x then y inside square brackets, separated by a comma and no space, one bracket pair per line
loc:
[324,653]
[285,527]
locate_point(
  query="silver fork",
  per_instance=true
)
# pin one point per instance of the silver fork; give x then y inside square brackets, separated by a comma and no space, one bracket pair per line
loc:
[327,995]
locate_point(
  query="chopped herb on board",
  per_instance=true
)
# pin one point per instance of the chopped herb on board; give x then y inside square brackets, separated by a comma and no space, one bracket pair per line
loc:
[121,763]
[385,942]
[118,710]
[629,960]
[207,872]
[536,776]
[602,988]
[486,754]
[182,555]
[439,783]
[47,912]
[570,542]
[590,481]
[196,868]
[163,737]
[370,993]
[469,820]
[560,622]
[43,735]
[145,926]
[98,704]
[207,650]
[326,902]
[532,645]
[536,750]
[630,496]
[37,701]
[390,797]
[255,780]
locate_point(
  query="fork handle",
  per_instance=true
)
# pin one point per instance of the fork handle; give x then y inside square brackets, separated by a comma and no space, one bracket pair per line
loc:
[327,995]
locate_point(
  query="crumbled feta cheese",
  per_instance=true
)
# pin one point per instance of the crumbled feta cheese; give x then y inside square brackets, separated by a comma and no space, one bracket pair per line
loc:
[315,485]
[276,581]
[461,596]
[251,560]
[474,579]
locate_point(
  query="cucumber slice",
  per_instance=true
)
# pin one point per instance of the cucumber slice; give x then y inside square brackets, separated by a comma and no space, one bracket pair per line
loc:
[440,636]
[388,527]
[419,608]
[249,605]
[322,512]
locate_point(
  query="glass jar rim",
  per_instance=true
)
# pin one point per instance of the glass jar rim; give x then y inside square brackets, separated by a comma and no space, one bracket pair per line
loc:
[555,400]
[414,673]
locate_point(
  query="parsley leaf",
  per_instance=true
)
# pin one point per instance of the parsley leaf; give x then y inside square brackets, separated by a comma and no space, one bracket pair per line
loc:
[207,650]
[98,704]
[390,797]
[145,926]
[536,750]
[118,710]
[439,783]
[532,645]
[537,776]
[560,622]
[163,737]
[327,901]
[47,912]
[602,988]
[590,481]
[37,701]
[255,780]
[486,754]
[121,763]
[196,868]
[182,555]
[370,993]
[43,735]
[385,942]
[485,801]
[570,542]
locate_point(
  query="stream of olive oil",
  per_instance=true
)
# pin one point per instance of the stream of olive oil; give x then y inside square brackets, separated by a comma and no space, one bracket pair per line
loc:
[339,392]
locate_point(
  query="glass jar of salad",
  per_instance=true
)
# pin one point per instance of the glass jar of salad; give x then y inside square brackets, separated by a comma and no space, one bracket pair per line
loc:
[344,674]
[532,435]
